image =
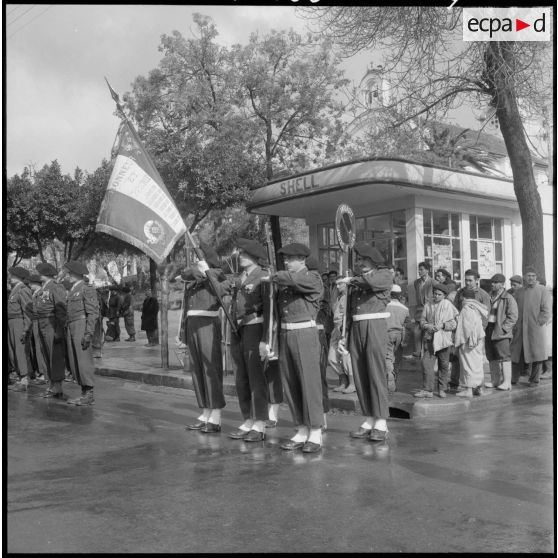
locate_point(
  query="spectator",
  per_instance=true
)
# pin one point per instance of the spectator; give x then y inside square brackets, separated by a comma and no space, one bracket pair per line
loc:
[444,276]
[113,323]
[127,312]
[437,323]
[149,313]
[423,294]
[502,319]
[397,333]
[529,336]
[469,336]
[516,282]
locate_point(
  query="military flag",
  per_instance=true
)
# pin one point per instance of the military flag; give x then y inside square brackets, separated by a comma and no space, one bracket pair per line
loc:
[137,207]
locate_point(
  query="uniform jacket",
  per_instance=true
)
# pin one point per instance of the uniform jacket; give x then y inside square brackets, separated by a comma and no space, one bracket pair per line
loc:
[198,294]
[370,292]
[82,303]
[20,305]
[398,317]
[506,317]
[534,312]
[50,306]
[299,294]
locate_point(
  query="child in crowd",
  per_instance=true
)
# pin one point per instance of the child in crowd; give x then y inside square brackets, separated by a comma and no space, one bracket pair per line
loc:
[437,323]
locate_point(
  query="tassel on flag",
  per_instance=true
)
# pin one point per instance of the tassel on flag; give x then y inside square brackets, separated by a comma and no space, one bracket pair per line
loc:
[137,207]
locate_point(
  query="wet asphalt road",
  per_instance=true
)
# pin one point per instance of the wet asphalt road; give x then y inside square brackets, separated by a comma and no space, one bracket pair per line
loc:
[125,476]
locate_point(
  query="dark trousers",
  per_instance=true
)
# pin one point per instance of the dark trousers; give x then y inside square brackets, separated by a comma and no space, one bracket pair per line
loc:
[367,345]
[324,349]
[274,382]
[81,361]
[203,337]
[16,349]
[53,353]
[251,384]
[113,329]
[152,335]
[429,359]
[299,362]
[533,369]
[129,324]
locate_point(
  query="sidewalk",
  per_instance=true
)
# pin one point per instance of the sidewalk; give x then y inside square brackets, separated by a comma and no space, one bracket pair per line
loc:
[136,362]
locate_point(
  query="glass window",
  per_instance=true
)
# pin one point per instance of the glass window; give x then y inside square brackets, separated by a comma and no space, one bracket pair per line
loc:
[484,227]
[473,226]
[498,229]
[442,244]
[454,224]
[487,251]
[440,223]
[427,218]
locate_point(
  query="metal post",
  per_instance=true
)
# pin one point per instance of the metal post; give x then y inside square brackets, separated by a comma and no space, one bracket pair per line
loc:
[164,319]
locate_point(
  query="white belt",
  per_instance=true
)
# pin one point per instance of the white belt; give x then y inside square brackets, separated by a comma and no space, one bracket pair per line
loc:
[298,325]
[376,316]
[258,320]
[204,313]
[320,326]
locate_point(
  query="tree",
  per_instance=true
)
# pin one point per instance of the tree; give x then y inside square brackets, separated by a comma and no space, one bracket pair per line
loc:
[432,70]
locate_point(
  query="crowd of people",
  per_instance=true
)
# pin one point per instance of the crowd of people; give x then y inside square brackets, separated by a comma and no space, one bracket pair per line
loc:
[286,328]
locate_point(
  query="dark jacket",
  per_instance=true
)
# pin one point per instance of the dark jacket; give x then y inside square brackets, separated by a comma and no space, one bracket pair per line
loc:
[299,295]
[149,313]
[506,317]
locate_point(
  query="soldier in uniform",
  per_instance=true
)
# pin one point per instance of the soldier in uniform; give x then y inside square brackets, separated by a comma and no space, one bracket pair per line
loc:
[249,298]
[19,325]
[37,359]
[51,322]
[368,339]
[203,337]
[83,311]
[300,291]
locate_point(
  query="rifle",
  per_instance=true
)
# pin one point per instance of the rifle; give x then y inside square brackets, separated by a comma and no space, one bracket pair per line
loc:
[211,280]
[272,329]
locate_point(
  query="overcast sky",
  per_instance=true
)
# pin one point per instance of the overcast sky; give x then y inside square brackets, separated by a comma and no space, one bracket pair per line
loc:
[57,102]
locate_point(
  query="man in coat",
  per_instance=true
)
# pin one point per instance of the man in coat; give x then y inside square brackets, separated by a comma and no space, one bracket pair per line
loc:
[248,301]
[127,312]
[529,335]
[499,332]
[51,316]
[19,306]
[298,296]
[368,339]
[82,313]
[113,323]
[423,294]
[149,324]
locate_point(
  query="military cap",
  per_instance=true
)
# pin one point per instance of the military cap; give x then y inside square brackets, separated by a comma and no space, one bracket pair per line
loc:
[472,273]
[210,255]
[294,249]
[34,278]
[46,269]
[396,289]
[440,287]
[445,272]
[516,279]
[252,248]
[77,268]
[365,250]
[529,269]
[313,263]
[498,278]
[19,272]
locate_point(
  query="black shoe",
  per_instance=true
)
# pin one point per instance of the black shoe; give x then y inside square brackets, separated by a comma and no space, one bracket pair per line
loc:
[49,393]
[360,433]
[196,425]
[130,339]
[238,434]
[290,445]
[378,435]
[311,447]
[210,428]
[254,436]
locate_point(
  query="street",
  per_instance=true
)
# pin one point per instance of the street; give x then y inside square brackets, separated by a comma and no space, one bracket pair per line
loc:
[125,476]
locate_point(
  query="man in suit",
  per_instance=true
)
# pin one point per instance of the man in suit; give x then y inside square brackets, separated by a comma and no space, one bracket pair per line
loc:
[298,297]
[82,313]
[423,294]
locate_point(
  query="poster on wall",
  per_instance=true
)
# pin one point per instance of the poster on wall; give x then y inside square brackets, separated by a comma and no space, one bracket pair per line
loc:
[487,266]
[441,256]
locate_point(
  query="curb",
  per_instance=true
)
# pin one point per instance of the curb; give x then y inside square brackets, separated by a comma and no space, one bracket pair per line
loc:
[401,405]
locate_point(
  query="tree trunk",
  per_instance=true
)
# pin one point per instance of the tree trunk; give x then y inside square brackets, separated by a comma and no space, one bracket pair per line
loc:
[500,56]
[40,248]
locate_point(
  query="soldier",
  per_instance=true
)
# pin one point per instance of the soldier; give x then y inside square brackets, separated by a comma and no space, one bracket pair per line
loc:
[249,298]
[203,336]
[368,339]
[82,313]
[19,325]
[38,362]
[127,312]
[51,322]
[298,299]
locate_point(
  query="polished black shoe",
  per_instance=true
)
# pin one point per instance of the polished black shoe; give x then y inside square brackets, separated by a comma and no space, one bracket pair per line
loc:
[290,445]
[198,425]
[210,428]
[378,435]
[270,423]
[254,436]
[360,433]
[238,434]
[311,447]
